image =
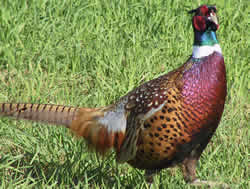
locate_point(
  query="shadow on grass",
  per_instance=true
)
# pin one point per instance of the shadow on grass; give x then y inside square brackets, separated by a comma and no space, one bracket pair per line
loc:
[77,169]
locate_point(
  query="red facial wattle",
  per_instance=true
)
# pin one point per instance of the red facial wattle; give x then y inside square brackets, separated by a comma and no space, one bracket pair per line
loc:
[204,10]
[199,23]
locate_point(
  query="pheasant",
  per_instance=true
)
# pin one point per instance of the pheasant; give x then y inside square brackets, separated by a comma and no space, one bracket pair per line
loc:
[162,123]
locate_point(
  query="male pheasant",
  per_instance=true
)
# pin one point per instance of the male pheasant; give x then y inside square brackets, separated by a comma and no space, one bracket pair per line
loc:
[162,123]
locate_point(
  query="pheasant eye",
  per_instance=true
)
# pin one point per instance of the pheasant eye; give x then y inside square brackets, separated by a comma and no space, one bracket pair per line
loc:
[214,9]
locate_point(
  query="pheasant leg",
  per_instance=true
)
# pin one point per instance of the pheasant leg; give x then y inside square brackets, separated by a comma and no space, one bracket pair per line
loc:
[149,175]
[189,173]
[189,169]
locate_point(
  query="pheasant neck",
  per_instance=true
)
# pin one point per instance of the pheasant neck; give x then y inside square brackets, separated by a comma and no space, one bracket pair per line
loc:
[205,43]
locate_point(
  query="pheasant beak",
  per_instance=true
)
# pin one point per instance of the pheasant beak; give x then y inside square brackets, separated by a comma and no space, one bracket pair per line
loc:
[213,18]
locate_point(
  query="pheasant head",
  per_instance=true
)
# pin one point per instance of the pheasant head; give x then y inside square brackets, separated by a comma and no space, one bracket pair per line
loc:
[205,18]
[205,24]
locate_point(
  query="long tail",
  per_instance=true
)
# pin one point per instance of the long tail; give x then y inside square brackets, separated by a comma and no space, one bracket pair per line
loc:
[101,129]
[52,114]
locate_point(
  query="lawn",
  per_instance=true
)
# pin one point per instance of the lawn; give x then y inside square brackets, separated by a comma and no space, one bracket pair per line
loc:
[90,53]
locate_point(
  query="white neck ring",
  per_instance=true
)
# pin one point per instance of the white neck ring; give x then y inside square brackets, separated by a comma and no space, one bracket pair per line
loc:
[205,50]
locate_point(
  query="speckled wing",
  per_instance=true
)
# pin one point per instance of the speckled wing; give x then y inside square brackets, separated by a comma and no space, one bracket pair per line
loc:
[141,104]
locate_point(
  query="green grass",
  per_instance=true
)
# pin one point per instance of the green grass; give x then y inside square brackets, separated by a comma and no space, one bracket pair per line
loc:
[89,53]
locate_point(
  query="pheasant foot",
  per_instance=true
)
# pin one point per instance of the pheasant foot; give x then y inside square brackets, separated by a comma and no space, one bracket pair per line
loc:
[210,184]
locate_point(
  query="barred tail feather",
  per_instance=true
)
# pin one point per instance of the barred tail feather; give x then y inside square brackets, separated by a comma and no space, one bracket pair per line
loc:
[103,128]
[52,114]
